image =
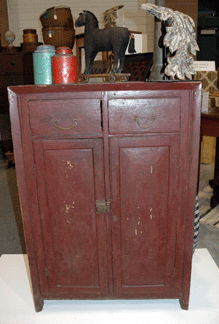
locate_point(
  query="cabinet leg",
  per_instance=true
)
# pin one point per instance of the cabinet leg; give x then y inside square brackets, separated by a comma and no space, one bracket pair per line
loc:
[38,303]
[184,304]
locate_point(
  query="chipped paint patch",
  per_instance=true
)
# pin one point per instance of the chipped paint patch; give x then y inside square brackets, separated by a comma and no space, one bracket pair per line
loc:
[68,207]
[69,164]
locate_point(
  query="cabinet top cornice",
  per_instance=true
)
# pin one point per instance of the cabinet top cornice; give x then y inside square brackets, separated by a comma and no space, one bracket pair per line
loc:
[123,86]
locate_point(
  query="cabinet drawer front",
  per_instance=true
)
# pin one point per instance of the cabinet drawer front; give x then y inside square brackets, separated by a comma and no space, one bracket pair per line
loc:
[14,79]
[65,117]
[13,64]
[144,115]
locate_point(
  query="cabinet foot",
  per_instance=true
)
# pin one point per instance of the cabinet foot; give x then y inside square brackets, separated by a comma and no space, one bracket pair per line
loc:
[184,305]
[38,303]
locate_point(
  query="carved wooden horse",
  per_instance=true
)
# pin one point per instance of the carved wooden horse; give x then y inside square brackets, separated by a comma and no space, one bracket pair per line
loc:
[99,40]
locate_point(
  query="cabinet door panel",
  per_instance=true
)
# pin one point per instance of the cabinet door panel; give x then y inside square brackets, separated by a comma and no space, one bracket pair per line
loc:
[70,179]
[144,187]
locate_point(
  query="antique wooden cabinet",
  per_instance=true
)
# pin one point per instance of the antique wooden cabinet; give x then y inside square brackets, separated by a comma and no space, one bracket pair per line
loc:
[107,178]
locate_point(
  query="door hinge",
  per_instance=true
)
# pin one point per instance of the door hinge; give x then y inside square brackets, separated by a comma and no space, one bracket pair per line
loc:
[102,206]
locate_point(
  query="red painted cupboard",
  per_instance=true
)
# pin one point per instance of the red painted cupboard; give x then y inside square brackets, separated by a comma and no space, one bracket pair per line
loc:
[107,178]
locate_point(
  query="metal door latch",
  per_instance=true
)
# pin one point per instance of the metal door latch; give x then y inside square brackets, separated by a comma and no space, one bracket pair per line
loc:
[102,206]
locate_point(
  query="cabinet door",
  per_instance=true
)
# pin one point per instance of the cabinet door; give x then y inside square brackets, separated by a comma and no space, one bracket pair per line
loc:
[145,199]
[70,179]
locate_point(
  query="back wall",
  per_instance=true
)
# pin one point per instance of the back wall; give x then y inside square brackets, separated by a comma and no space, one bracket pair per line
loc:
[24,14]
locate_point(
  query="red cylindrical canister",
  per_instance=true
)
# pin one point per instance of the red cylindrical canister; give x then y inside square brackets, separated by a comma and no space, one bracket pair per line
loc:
[64,66]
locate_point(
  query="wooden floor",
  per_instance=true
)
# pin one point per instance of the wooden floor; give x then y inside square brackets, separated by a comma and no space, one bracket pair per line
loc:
[207,215]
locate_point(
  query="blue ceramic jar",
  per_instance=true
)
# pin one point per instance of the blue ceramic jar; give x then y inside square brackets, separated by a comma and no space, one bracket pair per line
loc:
[42,64]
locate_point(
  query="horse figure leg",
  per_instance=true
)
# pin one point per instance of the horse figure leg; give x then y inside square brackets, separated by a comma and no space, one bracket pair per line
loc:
[92,57]
[89,61]
[115,60]
[122,56]
[121,63]
[119,52]
[118,62]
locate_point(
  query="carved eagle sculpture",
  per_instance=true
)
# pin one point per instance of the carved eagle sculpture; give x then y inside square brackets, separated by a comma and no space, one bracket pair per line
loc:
[180,38]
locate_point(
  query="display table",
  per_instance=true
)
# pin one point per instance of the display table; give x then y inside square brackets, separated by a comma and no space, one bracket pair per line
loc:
[17,305]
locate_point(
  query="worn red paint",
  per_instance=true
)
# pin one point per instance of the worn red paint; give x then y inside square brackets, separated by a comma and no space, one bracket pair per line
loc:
[64,66]
[142,247]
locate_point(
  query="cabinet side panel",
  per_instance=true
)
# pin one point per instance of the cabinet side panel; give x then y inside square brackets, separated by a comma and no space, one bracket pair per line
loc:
[194,116]
[16,102]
